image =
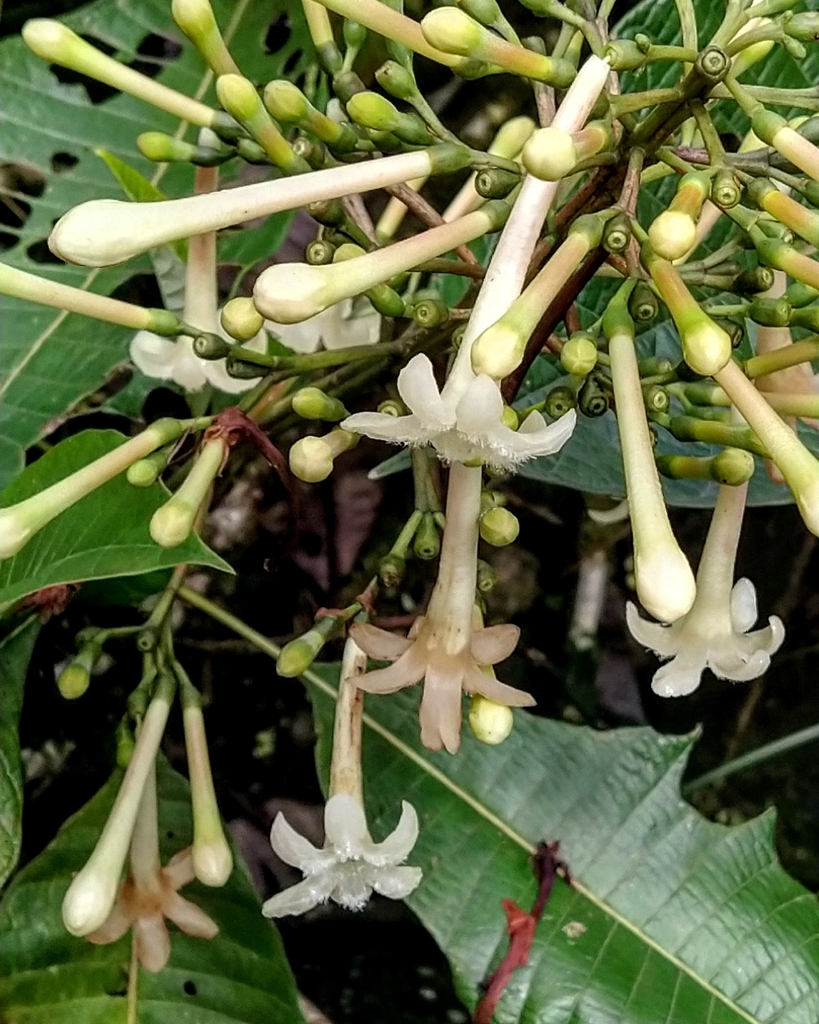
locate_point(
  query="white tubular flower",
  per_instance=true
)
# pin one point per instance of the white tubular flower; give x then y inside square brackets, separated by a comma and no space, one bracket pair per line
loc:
[175,360]
[150,893]
[349,867]
[344,325]
[463,421]
[444,648]
[715,632]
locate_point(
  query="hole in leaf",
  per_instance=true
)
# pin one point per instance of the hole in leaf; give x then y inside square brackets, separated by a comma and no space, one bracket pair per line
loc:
[40,253]
[153,54]
[278,35]
[141,289]
[170,834]
[189,988]
[17,181]
[62,162]
[292,62]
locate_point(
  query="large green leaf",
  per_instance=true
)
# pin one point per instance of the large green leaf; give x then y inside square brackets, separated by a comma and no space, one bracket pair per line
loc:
[49,361]
[104,534]
[49,977]
[671,920]
[15,654]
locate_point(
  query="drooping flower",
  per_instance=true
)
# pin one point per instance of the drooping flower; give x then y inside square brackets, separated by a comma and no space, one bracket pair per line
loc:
[349,866]
[166,359]
[463,421]
[343,325]
[715,632]
[150,894]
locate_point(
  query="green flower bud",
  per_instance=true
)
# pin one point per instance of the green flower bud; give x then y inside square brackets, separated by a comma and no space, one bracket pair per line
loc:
[210,346]
[499,526]
[427,541]
[240,99]
[496,182]
[803,26]
[147,471]
[198,22]
[579,355]
[487,12]
[487,578]
[643,304]
[725,189]
[285,101]
[240,370]
[799,294]
[732,466]
[319,253]
[314,404]
[162,148]
[386,300]
[75,678]
[371,110]
[396,80]
[756,279]
[240,319]
[391,570]
[297,656]
[489,721]
[624,55]
[770,312]
[172,523]
[591,399]
[559,401]
[125,744]
[656,398]
[430,312]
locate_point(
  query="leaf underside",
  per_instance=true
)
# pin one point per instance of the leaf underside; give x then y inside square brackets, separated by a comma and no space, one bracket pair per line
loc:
[673,919]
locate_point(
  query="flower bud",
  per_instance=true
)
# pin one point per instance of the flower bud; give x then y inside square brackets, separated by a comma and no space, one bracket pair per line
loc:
[803,26]
[427,541]
[162,148]
[490,722]
[391,570]
[787,211]
[674,232]
[288,104]
[198,22]
[172,523]
[311,458]
[371,110]
[770,312]
[240,319]
[495,182]
[549,154]
[453,31]
[75,678]
[396,80]
[559,401]
[210,851]
[774,130]
[297,656]
[487,578]
[643,304]
[499,526]
[239,98]
[210,346]
[147,471]
[314,404]
[579,355]
[430,312]
[55,43]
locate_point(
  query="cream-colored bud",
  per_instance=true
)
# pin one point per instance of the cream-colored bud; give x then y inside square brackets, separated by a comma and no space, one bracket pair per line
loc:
[311,459]
[672,234]
[491,722]
[549,154]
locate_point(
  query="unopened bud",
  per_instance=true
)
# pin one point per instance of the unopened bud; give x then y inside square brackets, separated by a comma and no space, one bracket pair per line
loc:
[311,458]
[803,26]
[427,541]
[240,319]
[579,355]
[495,182]
[643,304]
[171,524]
[490,722]
[549,154]
[770,312]
[198,22]
[499,526]
[396,80]
[391,570]
[210,346]
[74,680]
[487,577]
[297,656]
[430,312]
[314,404]
[559,401]
[147,471]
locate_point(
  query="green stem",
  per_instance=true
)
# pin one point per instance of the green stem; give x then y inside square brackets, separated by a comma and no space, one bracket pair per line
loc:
[221,615]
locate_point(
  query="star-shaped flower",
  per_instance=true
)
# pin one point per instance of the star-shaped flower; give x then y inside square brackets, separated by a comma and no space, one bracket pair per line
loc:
[144,904]
[350,866]
[711,635]
[433,653]
[463,421]
[346,324]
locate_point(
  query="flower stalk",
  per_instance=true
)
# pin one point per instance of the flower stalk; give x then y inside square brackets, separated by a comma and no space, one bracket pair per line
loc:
[172,523]
[239,98]
[198,22]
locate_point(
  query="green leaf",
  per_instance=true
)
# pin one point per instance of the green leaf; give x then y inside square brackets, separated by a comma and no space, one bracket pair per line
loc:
[49,361]
[50,977]
[672,919]
[15,654]
[104,534]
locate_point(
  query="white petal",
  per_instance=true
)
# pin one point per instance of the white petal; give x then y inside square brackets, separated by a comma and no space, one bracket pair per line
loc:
[417,387]
[394,429]
[680,676]
[743,605]
[293,848]
[153,355]
[480,407]
[355,323]
[652,635]
[398,844]
[536,438]
[378,643]
[397,883]
[303,337]
[300,898]
[188,370]
[218,376]
[345,827]
[739,666]
[494,643]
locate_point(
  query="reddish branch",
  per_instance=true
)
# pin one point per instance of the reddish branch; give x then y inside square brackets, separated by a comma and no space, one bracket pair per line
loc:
[520,927]
[234,426]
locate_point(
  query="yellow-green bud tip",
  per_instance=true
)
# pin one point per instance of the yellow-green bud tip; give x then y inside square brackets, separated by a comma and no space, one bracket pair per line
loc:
[499,526]
[672,234]
[497,352]
[241,320]
[550,154]
[579,356]
[311,459]
[297,656]
[73,681]
[172,524]
[706,347]
[490,722]
[452,31]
